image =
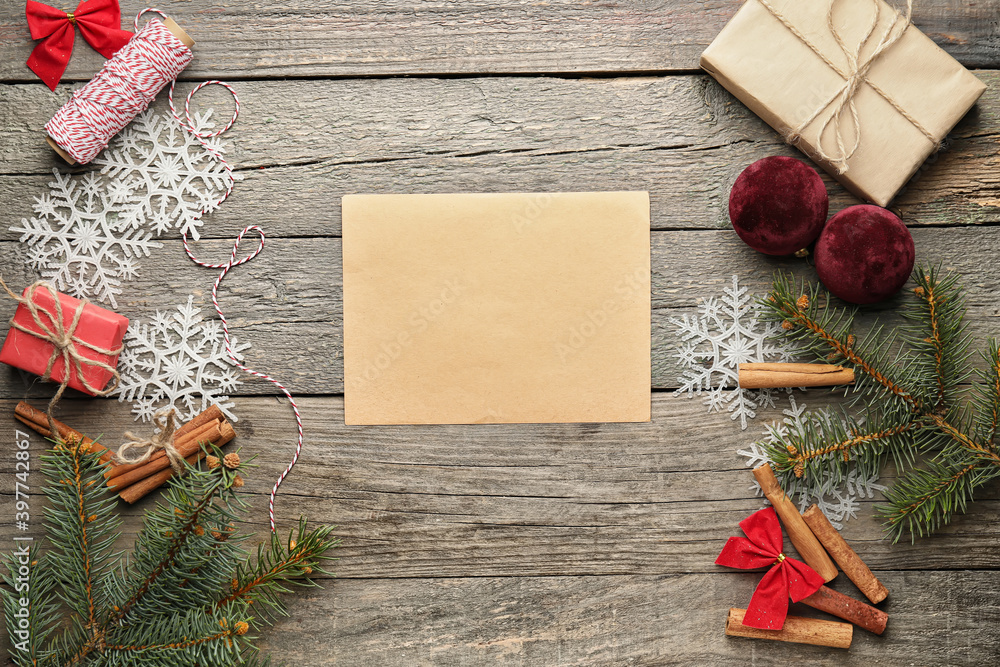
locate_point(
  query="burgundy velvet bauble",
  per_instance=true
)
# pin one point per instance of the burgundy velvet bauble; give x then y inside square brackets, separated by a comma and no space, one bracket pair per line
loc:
[778,205]
[865,254]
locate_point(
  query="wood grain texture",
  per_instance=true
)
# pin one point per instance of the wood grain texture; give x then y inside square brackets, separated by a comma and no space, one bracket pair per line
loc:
[526,500]
[309,38]
[557,544]
[288,302]
[683,138]
[617,620]
[574,544]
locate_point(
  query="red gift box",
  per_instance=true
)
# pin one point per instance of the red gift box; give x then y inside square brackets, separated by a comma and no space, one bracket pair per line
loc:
[97,327]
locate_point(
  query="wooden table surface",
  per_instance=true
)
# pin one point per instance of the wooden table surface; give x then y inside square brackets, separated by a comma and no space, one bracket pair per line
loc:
[587,544]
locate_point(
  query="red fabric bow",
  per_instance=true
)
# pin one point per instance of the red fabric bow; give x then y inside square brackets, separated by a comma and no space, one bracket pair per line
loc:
[786,578]
[99,22]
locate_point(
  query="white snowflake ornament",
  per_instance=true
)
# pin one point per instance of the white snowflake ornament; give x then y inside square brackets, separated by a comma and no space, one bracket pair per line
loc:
[726,333]
[175,179]
[91,229]
[837,498]
[178,359]
[83,239]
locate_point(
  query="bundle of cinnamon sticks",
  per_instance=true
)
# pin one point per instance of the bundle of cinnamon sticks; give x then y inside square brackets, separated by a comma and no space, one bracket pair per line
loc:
[136,481]
[816,541]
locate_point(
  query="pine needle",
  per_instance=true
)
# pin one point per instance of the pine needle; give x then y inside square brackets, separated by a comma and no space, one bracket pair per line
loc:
[909,384]
[189,594]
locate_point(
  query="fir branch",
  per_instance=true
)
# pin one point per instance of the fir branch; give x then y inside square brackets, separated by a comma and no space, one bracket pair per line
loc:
[987,397]
[965,442]
[30,644]
[830,442]
[190,594]
[826,332]
[121,612]
[277,568]
[911,391]
[925,500]
[81,525]
[191,638]
[937,334]
[187,538]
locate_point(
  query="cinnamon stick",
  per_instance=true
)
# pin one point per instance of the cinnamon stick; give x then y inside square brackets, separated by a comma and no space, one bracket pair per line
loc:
[779,376]
[38,421]
[213,413]
[850,562]
[186,446]
[857,612]
[799,533]
[142,489]
[797,629]
[146,486]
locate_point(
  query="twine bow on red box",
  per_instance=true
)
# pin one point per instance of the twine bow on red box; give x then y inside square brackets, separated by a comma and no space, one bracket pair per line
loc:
[99,22]
[788,578]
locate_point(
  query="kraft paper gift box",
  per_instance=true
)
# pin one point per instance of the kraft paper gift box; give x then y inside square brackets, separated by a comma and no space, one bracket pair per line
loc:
[98,327]
[783,59]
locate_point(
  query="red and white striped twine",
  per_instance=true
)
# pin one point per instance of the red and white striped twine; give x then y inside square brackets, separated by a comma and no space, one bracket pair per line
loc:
[122,90]
[233,261]
[187,122]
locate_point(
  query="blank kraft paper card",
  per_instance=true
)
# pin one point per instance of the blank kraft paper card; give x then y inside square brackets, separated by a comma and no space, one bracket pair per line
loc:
[496,308]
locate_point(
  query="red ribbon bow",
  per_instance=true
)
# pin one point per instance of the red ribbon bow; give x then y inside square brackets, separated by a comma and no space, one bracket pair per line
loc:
[99,22]
[786,578]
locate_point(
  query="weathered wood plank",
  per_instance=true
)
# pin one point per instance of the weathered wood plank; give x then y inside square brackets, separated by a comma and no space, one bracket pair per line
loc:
[522,500]
[935,619]
[356,38]
[614,620]
[533,544]
[288,302]
[684,139]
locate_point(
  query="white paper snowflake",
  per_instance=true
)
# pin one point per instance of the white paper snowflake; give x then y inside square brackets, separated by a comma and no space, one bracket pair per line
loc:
[178,359]
[91,229]
[837,499]
[727,332]
[81,240]
[173,178]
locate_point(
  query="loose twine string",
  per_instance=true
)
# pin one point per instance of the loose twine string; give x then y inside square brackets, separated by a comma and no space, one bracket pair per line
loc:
[855,76]
[65,344]
[98,111]
[188,124]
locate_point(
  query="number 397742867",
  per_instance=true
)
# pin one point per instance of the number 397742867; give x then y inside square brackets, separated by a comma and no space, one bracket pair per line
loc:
[22,495]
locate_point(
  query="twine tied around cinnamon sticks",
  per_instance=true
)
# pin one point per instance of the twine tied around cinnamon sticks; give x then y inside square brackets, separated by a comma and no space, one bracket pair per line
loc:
[855,76]
[64,342]
[165,420]
[132,482]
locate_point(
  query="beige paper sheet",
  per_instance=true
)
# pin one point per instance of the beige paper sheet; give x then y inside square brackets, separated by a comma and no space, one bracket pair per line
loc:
[496,308]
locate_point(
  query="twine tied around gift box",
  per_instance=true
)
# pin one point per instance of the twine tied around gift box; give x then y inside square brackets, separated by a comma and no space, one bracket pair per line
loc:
[855,76]
[64,341]
[165,420]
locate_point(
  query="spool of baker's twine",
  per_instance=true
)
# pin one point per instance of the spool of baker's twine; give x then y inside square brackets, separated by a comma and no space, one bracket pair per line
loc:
[122,90]
[118,95]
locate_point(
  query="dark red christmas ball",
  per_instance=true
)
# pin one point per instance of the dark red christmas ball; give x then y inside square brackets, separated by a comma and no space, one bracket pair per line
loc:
[865,254]
[778,205]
